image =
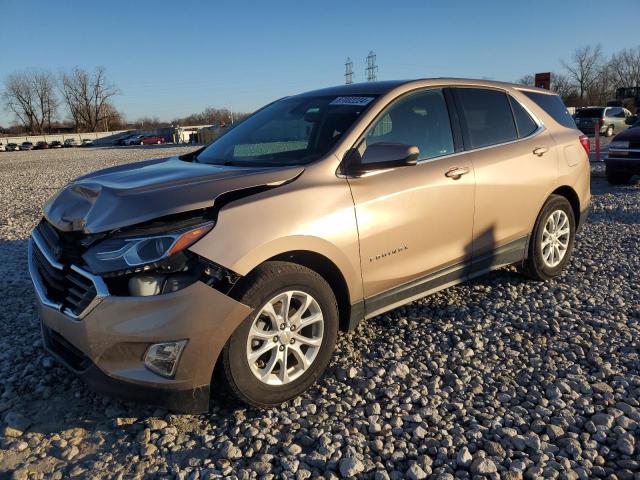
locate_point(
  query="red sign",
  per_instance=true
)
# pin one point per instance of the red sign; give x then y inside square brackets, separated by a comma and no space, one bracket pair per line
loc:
[543,80]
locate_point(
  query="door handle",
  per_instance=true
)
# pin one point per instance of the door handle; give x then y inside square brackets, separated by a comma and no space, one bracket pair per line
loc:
[540,151]
[456,172]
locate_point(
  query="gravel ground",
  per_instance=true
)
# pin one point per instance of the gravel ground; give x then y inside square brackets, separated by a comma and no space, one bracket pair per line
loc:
[501,377]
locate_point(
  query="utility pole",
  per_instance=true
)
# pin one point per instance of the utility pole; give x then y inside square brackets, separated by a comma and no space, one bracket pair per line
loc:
[348,71]
[372,68]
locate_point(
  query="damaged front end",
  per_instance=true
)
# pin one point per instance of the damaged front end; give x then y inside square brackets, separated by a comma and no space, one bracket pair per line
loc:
[143,260]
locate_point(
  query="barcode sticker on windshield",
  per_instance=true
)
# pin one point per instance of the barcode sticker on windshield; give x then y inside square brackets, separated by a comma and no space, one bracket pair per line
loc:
[352,101]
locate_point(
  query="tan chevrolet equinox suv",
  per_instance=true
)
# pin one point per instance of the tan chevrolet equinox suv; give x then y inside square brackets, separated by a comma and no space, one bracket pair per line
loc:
[238,264]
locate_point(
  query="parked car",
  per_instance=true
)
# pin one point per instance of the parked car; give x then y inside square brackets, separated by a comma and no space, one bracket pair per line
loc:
[623,158]
[12,147]
[151,274]
[41,146]
[134,139]
[86,142]
[55,144]
[70,142]
[26,146]
[613,119]
[151,140]
[122,140]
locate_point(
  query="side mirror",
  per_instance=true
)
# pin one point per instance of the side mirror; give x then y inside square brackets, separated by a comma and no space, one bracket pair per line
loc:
[380,156]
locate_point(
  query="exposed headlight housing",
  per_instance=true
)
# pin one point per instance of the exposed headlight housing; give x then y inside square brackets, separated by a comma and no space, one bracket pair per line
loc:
[136,254]
[162,358]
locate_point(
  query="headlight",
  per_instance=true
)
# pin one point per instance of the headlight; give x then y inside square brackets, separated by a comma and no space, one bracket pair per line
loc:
[115,254]
[619,144]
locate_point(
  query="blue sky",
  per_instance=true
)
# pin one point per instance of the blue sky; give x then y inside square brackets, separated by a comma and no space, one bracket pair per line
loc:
[173,58]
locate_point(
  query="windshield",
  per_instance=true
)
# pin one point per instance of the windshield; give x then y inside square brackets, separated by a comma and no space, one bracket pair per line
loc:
[589,113]
[292,131]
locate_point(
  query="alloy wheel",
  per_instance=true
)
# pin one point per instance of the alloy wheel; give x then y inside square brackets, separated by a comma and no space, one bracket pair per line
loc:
[555,238]
[285,337]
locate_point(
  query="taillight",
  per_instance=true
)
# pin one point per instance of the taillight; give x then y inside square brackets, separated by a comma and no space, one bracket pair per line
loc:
[584,141]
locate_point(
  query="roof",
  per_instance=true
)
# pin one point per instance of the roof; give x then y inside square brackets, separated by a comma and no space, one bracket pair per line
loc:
[382,87]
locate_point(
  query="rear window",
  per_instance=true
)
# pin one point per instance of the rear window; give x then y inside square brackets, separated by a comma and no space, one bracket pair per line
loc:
[552,104]
[589,113]
[487,116]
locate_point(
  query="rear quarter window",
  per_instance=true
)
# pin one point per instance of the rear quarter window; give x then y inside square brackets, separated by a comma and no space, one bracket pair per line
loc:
[553,105]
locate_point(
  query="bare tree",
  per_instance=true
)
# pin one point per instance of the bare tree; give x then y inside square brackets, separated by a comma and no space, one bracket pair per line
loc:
[528,80]
[561,84]
[87,97]
[30,95]
[624,68]
[584,67]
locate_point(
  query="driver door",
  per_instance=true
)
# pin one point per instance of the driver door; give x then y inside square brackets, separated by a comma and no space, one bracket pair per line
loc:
[415,223]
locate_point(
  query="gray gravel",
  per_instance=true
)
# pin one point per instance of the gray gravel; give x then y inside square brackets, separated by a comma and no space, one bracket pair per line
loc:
[501,377]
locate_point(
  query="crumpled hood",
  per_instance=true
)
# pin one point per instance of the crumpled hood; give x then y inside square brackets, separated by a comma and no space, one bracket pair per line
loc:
[129,194]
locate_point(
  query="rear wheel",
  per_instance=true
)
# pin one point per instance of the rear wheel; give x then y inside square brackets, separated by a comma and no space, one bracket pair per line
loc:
[552,240]
[609,131]
[617,177]
[286,343]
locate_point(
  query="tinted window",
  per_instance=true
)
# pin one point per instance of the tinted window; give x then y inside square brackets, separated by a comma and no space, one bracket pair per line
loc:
[590,113]
[487,116]
[420,119]
[615,112]
[524,122]
[554,108]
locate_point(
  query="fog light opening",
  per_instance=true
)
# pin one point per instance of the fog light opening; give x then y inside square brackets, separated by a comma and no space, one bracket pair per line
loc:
[163,358]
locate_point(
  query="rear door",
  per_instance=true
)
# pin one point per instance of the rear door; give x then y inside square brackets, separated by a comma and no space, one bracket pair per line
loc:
[515,164]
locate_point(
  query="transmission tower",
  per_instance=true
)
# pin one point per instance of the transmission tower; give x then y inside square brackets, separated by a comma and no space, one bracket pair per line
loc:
[348,75]
[372,68]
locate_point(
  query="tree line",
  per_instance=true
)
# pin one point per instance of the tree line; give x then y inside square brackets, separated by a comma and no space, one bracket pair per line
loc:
[35,97]
[38,97]
[590,77]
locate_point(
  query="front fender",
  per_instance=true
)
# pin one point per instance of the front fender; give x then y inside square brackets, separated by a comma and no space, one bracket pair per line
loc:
[308,215]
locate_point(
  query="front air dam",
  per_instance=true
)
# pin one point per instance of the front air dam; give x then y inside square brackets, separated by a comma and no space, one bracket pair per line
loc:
[107,347]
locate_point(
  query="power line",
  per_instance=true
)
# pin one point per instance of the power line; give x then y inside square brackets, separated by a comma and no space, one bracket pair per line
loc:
[348,71]
[372,68]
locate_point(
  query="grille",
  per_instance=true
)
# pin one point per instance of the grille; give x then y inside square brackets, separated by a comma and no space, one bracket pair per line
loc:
[64,246]
[63,285]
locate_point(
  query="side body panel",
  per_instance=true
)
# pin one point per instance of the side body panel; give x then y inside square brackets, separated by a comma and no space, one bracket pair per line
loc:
[512,183]
[314,213]
[412,221]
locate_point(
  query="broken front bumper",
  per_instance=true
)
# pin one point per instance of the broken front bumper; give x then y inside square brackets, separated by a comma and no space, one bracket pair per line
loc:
[105,342]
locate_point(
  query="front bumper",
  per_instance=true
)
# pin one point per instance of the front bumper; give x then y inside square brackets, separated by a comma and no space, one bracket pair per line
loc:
[106,346]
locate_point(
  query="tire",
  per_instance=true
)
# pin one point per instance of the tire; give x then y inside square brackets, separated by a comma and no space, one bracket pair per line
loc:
[609,131]
[158,142]
[617,177]
[538,265]
[267,283]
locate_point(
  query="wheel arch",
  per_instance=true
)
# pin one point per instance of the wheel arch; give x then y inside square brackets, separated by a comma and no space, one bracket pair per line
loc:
[329,271]
[572,197]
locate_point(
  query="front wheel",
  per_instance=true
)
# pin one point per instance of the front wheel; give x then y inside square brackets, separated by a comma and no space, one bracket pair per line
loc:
[286,343]
[552,240]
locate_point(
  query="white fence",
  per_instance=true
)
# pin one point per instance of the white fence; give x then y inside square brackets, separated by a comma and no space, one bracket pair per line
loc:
[61,137]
